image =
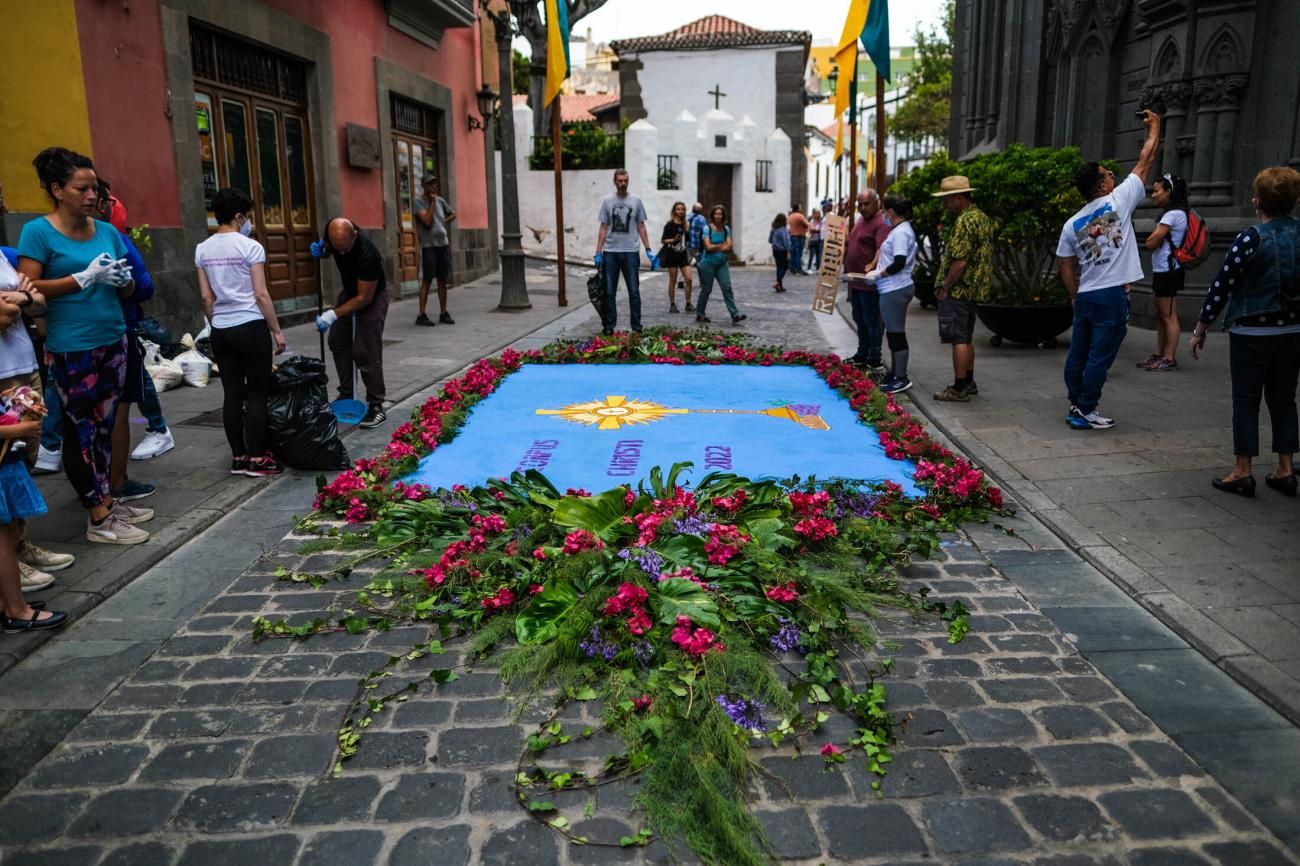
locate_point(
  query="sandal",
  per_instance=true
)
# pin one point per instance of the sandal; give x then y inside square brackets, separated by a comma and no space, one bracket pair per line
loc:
[15,626]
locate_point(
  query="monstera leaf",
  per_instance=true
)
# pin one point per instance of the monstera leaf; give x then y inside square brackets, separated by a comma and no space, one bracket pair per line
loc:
[600,515]
[678,596]
[540,621]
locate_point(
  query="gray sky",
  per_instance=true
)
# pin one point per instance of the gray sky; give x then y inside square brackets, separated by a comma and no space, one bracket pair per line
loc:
[621,19]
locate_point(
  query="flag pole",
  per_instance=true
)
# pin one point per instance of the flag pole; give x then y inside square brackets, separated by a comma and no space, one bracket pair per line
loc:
[880,134]
[557,146]
[853,144]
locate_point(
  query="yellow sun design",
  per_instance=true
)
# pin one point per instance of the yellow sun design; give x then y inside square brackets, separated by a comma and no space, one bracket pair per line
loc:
[613,412]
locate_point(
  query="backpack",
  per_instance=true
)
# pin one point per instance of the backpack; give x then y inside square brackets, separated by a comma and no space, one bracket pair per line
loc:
[1195,247]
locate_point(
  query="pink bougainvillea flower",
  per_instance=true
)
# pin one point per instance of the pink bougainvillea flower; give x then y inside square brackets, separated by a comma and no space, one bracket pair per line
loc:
[783,593]
[579,540]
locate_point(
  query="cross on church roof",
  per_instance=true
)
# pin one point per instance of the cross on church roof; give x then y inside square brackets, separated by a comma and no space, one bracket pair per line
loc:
[717,95]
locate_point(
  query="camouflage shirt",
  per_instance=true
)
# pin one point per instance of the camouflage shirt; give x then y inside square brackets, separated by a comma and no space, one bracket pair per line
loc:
[971,240]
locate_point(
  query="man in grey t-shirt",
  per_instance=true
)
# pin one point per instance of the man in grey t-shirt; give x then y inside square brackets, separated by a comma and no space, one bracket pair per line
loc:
[432,213]
[622,223]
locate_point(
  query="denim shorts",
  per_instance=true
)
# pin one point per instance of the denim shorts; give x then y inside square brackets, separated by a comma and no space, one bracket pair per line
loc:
[956,321]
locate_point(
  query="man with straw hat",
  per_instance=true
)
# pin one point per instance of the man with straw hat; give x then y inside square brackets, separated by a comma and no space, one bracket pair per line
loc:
[967,275]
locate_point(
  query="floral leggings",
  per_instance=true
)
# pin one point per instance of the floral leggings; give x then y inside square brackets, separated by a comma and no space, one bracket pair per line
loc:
[90,385]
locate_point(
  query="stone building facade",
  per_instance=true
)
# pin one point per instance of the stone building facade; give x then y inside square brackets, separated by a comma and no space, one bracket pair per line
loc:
[1223,73]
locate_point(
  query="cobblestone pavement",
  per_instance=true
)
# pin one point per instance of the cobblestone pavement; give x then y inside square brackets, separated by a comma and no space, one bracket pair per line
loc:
[213,748]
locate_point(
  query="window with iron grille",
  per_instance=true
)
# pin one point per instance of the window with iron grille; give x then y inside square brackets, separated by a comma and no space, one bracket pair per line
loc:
[223,59]
[413,118]
[667,174]
[763,176]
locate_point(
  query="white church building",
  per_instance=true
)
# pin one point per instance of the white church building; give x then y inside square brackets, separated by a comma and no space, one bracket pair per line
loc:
[717,111]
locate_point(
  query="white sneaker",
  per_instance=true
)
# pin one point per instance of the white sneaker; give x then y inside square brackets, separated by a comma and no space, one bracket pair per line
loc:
[1098,420]
[33,579]
[47,460]
[114,531]
[39,557]
[133,514]
[154,445]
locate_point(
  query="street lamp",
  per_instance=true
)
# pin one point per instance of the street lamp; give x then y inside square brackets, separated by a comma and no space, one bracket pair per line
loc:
[514,289]
[486,99]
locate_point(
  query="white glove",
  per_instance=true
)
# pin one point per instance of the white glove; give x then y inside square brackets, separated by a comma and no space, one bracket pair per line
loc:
[119,276]
[99,270]
[326,320]
[874,276]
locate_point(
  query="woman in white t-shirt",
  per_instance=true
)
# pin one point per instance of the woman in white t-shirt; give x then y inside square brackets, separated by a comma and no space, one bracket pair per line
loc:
[893,278]
[232,281]
[1167,276]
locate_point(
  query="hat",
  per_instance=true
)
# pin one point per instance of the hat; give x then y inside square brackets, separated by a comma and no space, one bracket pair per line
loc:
[428,179]
[952,185]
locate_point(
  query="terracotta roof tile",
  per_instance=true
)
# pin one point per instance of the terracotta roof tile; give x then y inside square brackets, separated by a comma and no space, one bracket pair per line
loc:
[712,31]
[577,107]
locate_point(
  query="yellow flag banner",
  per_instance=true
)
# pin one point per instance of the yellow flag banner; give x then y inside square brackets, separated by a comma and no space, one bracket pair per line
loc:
[557,48]
[846,53]
[839,138]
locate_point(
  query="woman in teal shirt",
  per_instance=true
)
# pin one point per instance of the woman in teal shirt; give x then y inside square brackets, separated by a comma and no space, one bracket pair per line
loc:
[713,266]
[78,263]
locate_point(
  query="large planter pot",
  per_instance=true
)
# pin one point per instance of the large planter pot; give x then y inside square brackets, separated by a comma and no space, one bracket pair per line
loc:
[1036,326]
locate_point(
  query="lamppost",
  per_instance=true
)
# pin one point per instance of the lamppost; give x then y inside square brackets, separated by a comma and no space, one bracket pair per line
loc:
[514,289]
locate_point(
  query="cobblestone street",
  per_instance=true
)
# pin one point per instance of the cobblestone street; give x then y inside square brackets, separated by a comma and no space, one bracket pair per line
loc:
[203,746]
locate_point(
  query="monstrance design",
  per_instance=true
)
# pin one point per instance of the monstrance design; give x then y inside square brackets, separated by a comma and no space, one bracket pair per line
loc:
[615,411]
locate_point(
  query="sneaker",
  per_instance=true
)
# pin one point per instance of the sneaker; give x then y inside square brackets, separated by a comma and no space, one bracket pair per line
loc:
[952,395]
[972,389]
[895,385]
[133,489]
[33,579]
[672,308]
[876,370]
[1091,421]
[17,626]
[736,320]
[423,319]
[1150,359]
[1163,365]
[114,531]
[39,557]
[154,445]
[239,466]
[262,467]
[132,514]
[704,320]
[47,460]
[445,319]
[690,308]
[373,418]
[1098,420]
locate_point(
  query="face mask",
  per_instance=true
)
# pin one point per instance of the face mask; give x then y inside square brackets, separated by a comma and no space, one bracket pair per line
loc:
[886,220]
[246,227]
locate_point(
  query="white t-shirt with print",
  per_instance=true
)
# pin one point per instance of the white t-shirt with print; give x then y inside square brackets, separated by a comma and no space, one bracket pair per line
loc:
[228,258]
[1101,237]
[17,357]
[901,242]
[1163,255]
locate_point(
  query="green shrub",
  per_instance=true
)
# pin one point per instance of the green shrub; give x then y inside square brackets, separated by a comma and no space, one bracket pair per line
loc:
[1028,192]
[585,146]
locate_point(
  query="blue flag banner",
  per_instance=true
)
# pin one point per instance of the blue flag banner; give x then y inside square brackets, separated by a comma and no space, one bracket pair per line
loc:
[875,36]
[599,426]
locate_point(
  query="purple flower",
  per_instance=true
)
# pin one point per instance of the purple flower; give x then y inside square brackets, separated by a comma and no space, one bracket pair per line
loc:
[625,554]
[745,713]
[692,526]
[788,638]
[598,646]
[523,530]
[651,563]
[644,651]
[855,503]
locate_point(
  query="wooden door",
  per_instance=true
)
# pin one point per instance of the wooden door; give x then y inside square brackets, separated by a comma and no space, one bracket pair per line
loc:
[714,186]
[415,154]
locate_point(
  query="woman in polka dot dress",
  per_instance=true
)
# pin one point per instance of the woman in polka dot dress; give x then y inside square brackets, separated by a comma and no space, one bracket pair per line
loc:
[1259,284]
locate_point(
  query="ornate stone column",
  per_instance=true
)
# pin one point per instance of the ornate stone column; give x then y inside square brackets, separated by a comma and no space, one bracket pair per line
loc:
[1230,90]
[1207,119]
[1176,96]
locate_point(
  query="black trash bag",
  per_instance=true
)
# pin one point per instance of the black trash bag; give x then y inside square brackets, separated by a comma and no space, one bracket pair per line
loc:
[155,332]
[170,350]
[203,346]
[596,291]
[304,433]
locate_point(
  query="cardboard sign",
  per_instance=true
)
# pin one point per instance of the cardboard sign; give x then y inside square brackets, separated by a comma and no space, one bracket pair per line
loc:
[834,235]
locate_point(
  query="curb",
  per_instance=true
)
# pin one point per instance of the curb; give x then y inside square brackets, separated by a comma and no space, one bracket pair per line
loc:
[1211,640]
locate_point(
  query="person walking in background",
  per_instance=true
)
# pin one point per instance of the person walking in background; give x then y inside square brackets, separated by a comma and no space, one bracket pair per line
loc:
[232,285]
[674,256]
[1098,258]
[779,238]
[966,275]
[893,278]
[432,214]
[713,266]
[78,264]
[696,225]
[797,223]
[19,367]
[356,322]
[1259,284]
[864,242]
[619,242]
[1169,192]
[815,241]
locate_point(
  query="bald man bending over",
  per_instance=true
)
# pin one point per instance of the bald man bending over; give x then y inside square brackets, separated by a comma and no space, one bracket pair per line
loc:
[364,299]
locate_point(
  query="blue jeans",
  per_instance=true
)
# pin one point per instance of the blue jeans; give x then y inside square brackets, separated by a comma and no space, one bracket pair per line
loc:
[1100,323]
[627,264]
[1266,366]
[871,328]
[815,254]
[782,263]
[796,253]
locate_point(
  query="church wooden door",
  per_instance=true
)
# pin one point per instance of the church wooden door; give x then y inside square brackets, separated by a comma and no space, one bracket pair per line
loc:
[713,186]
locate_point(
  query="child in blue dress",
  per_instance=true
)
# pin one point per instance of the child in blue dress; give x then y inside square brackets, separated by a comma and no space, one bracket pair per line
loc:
[19,500]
